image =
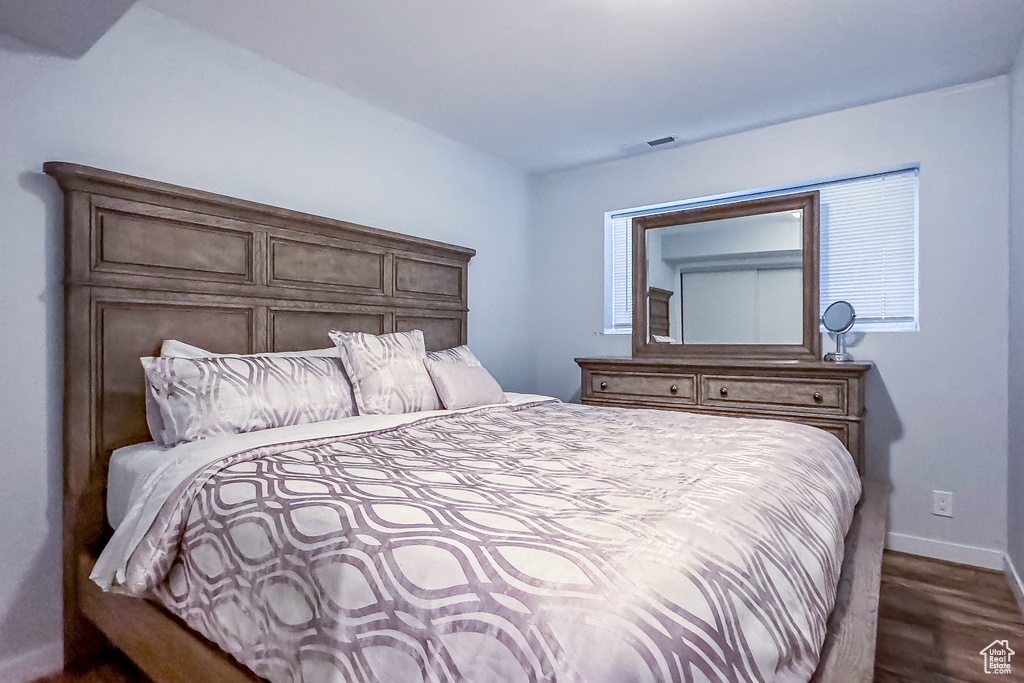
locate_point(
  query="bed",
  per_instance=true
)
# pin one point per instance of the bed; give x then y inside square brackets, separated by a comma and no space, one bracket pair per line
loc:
[148,261]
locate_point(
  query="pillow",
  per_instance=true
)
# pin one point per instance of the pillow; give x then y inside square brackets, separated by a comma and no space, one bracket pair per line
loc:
[457,354]
[387,371]
[179,349]
[203,397]
[460,385]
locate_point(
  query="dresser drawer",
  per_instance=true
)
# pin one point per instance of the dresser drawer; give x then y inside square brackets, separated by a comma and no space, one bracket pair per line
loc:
[820,396]
[677,389]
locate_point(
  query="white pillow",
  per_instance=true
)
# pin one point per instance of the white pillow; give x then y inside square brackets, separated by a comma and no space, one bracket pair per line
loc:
[460,385]
[387,371]
[456,354]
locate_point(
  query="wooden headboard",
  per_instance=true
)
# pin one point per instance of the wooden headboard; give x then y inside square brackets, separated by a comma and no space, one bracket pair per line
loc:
[147,261]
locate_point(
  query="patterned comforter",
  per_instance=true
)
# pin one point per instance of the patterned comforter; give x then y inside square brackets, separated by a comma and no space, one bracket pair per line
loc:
[546,542]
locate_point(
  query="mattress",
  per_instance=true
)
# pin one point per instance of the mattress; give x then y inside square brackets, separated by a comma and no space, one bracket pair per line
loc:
[537,541]
[129,467]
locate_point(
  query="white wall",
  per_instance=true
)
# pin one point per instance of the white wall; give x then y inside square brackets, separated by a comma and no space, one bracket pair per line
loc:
[156,99]
[1015,482]
[937,399]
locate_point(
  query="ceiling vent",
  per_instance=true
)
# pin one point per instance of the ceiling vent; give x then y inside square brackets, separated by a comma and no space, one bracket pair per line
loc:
[635,148]
[661,141]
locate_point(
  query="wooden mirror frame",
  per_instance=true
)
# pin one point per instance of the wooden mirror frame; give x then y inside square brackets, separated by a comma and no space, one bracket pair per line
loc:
[808,350]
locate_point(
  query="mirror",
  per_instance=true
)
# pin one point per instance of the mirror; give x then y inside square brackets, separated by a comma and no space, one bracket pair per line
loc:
[735,279]
[838,318]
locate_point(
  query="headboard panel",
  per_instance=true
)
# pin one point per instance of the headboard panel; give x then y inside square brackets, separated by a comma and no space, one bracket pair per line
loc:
[133,326]
[147,261]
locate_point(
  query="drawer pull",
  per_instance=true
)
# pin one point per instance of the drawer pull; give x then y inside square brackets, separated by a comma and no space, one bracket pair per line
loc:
[817,396]
[723,391]
[604,385]
[674,389]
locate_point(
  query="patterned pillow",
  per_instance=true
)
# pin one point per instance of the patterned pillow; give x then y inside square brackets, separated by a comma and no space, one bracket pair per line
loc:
[179,349]
[461,385]
[203,397]
[387,372]
[457,354]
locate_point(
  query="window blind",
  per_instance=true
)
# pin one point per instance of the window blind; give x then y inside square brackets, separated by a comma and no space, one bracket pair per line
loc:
[868,248]
[622,274]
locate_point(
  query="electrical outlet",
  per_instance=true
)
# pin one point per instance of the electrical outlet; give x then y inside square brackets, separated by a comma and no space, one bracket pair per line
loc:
[942,503]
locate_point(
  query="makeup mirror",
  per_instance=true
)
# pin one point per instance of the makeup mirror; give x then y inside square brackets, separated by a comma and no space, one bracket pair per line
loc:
[838,318]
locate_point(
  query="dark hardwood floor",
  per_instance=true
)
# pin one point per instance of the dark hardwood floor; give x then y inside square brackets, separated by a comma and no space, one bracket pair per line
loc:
[113,669]
[934,619]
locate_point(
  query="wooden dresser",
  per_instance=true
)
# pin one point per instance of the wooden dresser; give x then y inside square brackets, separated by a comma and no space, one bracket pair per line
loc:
[829,396]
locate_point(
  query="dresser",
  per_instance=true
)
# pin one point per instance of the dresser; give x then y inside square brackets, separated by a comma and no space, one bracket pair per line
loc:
[829,396]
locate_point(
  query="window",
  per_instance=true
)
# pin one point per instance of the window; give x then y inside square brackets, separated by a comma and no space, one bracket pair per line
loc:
[868,248]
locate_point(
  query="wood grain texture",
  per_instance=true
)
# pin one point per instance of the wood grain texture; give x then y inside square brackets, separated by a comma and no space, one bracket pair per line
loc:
[304,264]
[935,617]
[107,667]
[132,237]
[848,655]
[132,327]
[440,332]
[292,330]
[416,276]
[177,655]
[820,394]
[130,241]
[658,302]
[675,387]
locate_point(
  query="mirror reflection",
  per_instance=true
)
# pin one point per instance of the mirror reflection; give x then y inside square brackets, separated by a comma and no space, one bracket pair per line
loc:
[729,281]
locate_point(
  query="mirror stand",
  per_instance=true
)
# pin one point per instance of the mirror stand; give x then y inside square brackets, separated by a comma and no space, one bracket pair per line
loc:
[841,355]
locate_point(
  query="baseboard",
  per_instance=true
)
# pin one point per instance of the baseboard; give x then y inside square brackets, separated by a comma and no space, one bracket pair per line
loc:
[1013,578]
[29,666]
[986,558]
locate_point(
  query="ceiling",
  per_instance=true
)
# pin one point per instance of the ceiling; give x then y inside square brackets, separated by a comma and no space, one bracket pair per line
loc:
[552,83]
[547,84]
[65,27]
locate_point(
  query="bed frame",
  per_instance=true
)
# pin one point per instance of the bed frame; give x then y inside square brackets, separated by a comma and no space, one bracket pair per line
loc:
[147,261]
